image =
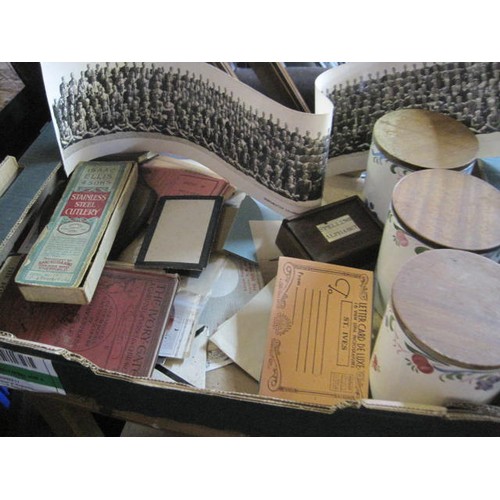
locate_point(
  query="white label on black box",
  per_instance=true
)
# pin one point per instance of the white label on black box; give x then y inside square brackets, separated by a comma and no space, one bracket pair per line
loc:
[28,373]
[338,228]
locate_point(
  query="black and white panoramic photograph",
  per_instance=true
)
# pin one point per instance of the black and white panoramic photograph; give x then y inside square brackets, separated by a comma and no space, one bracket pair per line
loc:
[467,91]
[280,150]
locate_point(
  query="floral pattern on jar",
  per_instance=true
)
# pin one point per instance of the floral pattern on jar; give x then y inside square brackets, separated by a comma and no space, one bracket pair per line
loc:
[401,371]
[396,248]
[381,177]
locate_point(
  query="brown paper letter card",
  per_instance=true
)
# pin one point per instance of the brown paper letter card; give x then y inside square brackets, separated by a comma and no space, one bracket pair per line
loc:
[318,343]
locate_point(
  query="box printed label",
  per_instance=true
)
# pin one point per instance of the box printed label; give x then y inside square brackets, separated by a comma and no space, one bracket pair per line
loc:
[60,257]
[338,228]
[85,204]
[29,373]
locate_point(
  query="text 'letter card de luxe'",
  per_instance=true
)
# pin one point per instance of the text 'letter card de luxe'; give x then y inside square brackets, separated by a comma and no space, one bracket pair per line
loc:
[318,344]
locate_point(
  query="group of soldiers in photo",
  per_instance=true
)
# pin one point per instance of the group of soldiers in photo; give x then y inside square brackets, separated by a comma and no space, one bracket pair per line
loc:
[468,92]
[112,98]
[144,97]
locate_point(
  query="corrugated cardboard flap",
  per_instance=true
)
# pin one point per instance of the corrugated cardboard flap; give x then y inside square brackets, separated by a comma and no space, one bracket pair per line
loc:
[38,349]
[73,367]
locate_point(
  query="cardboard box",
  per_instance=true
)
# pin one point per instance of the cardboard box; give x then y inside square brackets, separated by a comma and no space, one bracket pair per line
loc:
[84,226]
[141,400]
[223,407]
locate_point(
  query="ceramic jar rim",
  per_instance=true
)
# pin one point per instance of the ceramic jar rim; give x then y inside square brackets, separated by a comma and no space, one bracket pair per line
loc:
[437,119]
[433,244]
[452,284]
[413,167]
[434,354]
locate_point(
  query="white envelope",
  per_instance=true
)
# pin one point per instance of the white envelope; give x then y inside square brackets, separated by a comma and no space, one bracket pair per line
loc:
[243,336]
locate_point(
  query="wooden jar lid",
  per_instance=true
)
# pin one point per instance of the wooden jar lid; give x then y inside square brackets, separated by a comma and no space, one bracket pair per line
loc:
[425,139]
[447,303]
[449,209]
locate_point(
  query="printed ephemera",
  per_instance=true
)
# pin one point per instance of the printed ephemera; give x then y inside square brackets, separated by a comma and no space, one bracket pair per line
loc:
[120,330]
[66,261]
[318,343]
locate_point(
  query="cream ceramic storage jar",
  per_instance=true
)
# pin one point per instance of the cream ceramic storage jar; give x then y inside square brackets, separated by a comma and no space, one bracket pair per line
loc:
[433,209]
[439,340]
[408,140]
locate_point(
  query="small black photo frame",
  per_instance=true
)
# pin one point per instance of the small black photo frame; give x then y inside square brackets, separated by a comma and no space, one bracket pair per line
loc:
[181,233]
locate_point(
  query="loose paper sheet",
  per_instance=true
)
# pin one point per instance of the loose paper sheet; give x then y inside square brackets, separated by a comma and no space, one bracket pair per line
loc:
[264,236]
[216,358]
[239,239]
[243,336]
[180,327]
[192,368]
[236,284]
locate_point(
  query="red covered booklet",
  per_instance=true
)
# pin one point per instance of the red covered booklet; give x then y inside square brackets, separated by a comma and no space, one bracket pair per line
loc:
[120,330]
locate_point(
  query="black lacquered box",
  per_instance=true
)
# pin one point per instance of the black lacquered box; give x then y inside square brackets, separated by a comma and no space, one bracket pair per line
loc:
[344,233]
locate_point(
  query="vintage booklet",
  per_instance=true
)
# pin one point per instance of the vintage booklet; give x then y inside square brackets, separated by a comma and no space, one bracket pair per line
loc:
[120,330]
[34,184]
[169,176]
[66,261]
[318,342]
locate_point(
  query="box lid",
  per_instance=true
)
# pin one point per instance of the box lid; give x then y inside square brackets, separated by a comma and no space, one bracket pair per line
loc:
[344,232]
[449,209]
[425,139]
[447,303]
